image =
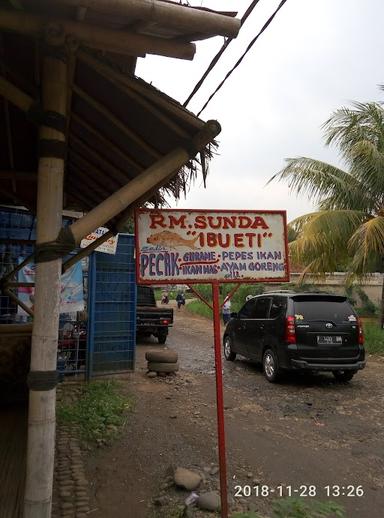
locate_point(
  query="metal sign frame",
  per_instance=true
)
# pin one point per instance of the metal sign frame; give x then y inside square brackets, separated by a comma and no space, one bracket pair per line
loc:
[188,280]
[216,306]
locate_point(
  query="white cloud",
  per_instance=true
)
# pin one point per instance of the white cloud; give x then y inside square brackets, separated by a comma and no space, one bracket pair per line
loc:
[314,58]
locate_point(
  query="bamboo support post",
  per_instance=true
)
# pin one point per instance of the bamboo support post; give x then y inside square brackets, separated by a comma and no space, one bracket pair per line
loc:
[155,174]
[13,94]
[87,250]
[167,13]
[19,302]
[9,275]
[42,399]
[118,41]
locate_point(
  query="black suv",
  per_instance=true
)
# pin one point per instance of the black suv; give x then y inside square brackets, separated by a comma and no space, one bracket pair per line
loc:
[288,331]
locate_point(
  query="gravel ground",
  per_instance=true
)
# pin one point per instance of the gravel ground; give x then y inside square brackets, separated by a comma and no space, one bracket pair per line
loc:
[306,430]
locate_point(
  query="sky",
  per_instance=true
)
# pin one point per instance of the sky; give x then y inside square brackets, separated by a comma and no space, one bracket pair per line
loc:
[316,56]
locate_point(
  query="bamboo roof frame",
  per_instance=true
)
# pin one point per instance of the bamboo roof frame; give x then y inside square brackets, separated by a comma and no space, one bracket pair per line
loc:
[173,14]
[156,137]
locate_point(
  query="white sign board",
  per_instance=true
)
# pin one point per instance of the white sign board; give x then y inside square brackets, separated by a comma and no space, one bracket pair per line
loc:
[196,246]
[108,247]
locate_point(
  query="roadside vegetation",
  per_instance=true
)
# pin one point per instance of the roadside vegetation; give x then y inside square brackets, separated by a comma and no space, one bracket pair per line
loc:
[198,307]
[346,232]
[98,410]
[374,338]
[299,508]
[374,335]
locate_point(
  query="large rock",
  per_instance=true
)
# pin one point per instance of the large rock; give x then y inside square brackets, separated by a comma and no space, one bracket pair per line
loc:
[187,479]
[209,501]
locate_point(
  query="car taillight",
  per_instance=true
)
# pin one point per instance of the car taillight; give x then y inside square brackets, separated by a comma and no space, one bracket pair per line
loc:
[165,322]
[360,331]
[290,332]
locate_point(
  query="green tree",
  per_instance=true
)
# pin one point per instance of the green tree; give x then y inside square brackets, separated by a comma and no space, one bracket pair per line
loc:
[348,227]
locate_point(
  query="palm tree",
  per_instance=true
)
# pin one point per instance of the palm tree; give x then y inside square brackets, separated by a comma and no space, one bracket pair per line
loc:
[348,227]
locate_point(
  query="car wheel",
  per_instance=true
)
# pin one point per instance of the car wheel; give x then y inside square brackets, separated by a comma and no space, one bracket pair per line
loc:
[162,338]
[343,375]
[271,366]
[228,353]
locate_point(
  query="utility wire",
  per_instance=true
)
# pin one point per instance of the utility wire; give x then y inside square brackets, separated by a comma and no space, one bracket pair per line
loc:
[267,23]
[220,53]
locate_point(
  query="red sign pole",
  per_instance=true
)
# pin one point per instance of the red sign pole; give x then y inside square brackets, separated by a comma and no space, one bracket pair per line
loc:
[220,400]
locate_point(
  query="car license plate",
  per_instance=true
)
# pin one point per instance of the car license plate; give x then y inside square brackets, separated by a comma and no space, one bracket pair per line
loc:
[329,340]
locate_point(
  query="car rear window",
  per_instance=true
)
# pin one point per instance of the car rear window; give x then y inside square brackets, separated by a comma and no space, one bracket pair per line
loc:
[323,308]
[145,296]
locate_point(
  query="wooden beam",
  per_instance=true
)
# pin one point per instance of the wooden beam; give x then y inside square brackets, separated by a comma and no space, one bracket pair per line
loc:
[81,13]
[11,93]
[120,81]
[169,105]
[155,174]
[96,37]
[117,122]
[30,176]
[107,143]
[16,198]
[15,299]
[84,252]
[92,186]
[83,200]
[169,14]
[116,172]
[88,166]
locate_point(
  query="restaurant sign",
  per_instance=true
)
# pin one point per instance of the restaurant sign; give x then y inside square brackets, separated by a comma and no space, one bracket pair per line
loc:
[108,247]
[197,246]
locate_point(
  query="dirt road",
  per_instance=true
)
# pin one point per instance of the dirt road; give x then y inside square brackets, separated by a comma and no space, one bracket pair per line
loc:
[304,431]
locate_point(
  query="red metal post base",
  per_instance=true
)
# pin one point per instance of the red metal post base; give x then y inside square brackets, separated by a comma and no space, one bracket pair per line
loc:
[220,400]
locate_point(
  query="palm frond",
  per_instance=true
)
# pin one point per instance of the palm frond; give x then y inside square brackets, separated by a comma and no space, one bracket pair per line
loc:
[322,237]
[346,127]
[367,165]
[319,179]
[367,243]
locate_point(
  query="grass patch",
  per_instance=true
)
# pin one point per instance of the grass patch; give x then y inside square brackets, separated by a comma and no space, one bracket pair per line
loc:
[198,307]
[373,338]
[99,412]
[299,508]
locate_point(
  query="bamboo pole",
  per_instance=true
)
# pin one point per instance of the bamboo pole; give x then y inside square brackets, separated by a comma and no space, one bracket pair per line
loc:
[167,104]
[11,295]
[117,122]
[166,13]
[107,143]
[84,252]
[100,182]
[25,176]
[119,41]
[119,81]
[155,174]
[13,94]
[42,403]
[123,216]
[115,173]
